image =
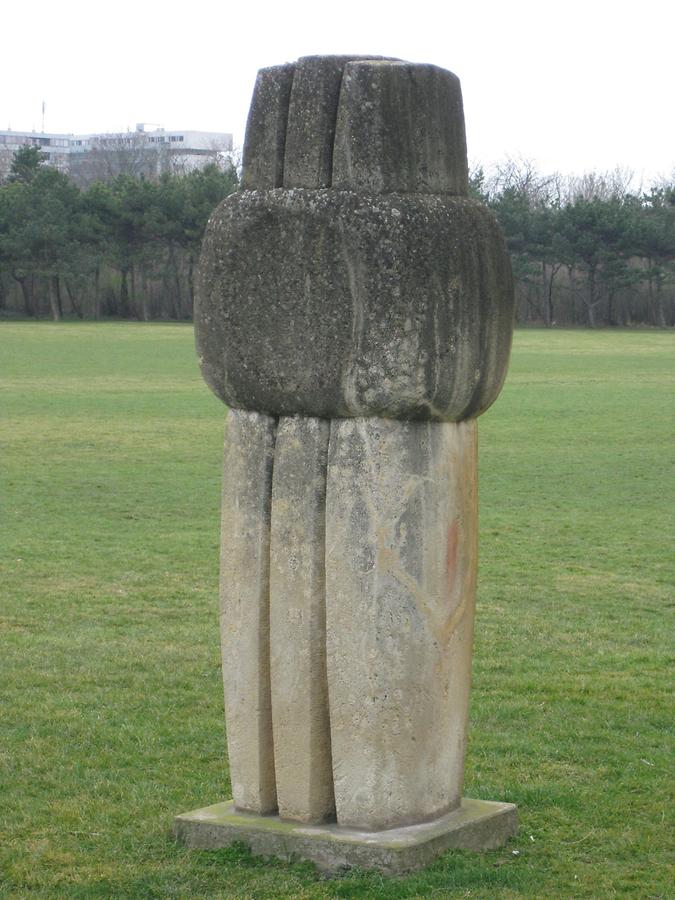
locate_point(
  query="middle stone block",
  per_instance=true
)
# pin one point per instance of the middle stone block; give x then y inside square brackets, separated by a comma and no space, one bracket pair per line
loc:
[334,303]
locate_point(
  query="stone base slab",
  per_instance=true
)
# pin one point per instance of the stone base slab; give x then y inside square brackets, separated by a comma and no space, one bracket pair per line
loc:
[476,825]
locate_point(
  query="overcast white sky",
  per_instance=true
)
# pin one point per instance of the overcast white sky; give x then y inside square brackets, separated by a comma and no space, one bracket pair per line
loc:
[572,85]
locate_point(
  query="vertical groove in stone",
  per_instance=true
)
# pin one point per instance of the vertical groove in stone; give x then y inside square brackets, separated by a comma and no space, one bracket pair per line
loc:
[302,749]
[495,341]
[308,160]
[401,509]
[245,608]
[312,116]
[265,139]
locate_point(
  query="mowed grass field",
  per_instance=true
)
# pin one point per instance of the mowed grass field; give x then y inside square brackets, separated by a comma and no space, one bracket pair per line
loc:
[110,692]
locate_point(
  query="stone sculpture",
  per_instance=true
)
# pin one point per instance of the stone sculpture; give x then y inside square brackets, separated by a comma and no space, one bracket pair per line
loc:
[355,312]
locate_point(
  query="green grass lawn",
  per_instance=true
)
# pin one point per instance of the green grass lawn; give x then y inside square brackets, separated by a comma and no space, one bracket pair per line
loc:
[110,695]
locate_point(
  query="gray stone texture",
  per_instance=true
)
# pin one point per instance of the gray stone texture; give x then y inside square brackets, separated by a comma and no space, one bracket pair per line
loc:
[264,146]
[400,129]
[308,157]
[401,517]
[336,304]
[312,114]
[475,825]
[291,124]
[302,746]
[244,613]
[353,277]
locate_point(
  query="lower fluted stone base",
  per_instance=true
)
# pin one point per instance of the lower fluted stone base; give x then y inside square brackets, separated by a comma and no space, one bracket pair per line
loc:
[476,825]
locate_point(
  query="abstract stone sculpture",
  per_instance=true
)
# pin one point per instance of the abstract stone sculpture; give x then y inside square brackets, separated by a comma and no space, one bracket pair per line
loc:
[355,311]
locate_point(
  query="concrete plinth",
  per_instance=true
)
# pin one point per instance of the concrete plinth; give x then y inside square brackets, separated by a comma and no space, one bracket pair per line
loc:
[476,825]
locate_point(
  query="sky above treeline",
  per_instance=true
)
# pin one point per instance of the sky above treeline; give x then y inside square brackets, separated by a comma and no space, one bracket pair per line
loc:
[573,87]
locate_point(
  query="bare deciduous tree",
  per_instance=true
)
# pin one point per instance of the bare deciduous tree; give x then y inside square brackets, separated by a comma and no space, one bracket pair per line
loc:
[131,153]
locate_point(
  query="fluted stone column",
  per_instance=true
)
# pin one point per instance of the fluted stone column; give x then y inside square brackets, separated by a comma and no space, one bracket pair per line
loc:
[400,586]
[245,608]
[302,742]
[354,310]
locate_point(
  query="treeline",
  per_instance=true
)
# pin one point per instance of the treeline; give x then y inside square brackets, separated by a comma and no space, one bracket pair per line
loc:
[585,251]
[124,248]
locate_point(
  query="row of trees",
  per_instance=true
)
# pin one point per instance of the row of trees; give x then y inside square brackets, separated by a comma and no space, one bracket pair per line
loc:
[586,251]
[125,247]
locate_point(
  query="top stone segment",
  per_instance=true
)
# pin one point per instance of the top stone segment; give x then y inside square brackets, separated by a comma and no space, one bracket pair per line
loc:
[352,276]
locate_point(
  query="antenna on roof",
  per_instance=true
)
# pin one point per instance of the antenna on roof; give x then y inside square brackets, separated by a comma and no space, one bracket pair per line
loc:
[43,116]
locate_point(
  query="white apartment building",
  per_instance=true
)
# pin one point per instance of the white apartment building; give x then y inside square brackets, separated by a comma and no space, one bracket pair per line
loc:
[55,147]
[141,152]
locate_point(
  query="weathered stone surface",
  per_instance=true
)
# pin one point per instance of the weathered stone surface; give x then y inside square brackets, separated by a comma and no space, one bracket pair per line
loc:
[337,303]
[401,514]
[475,825]
[311,121]
[400,128]
[312,114]
[244,615]
[302,751]
[265,141]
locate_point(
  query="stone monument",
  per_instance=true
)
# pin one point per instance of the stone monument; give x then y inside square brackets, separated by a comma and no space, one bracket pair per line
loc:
[354,310]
